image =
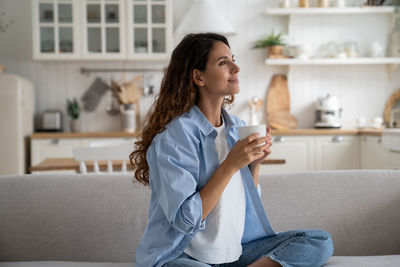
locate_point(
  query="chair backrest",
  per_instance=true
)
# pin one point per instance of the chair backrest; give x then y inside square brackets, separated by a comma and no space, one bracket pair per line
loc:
[103,151]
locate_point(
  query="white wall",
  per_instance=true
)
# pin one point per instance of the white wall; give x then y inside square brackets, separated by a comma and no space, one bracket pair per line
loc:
[363,90]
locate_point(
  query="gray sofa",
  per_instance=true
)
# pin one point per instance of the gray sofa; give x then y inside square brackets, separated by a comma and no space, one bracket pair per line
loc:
[97,220]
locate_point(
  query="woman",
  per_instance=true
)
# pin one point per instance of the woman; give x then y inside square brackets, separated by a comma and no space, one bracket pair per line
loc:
[204,208]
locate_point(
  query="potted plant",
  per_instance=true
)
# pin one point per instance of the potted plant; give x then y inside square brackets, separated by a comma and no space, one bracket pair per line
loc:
[274,44]
[73,111]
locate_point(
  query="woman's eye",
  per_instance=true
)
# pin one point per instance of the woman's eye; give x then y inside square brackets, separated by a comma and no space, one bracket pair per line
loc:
[222,63]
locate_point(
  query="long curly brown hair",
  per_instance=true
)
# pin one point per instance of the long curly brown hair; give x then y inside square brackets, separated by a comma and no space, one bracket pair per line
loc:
[178,93]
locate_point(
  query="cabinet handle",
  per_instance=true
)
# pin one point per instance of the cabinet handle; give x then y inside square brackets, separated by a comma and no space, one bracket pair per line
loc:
[279,139]
[55,141]
[379,140]
[337,139]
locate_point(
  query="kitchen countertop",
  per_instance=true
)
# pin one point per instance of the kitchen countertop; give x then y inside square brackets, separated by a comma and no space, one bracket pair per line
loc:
[294,132]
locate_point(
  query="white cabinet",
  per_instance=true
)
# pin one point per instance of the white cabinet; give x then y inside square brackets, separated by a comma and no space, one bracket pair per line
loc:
[375,156]
[308,152]
[52,148]
[102,29]
[148,28]
[55,29]
[62,147]
[103,25]
[337,152]
[296,150]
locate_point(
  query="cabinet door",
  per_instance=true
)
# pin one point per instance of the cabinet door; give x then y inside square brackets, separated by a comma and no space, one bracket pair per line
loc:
[337,152]
[55,29]
[373,154]
[149,28]
[103,24]
[52,148]
[297,151]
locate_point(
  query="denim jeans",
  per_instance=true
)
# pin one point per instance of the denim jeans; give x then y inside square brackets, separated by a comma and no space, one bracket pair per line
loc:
[298,248]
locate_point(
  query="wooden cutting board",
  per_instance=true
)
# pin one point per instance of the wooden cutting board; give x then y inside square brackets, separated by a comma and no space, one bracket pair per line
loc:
[278,104]
[278,95]
[282,120]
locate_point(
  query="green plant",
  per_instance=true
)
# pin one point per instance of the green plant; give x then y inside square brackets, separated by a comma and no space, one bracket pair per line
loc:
[73,109]
[271,40]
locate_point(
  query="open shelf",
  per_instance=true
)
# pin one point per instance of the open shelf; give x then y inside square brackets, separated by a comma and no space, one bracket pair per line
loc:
[329,10]
[332,61]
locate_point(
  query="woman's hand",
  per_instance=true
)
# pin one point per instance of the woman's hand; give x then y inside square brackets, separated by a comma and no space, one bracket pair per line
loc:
[266,152]
[246,151]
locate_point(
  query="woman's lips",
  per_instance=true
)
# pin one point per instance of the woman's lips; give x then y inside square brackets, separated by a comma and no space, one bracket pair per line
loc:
[233,80]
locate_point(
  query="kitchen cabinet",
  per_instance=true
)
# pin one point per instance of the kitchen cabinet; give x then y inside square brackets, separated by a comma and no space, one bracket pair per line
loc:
[62,147]
[103,25]
[149,27]
[297,151]
[55,29]
[375,156]
[102,29]
[310,152]
[337,152]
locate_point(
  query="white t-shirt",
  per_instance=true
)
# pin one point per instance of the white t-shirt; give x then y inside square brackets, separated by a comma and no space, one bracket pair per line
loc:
[220,241]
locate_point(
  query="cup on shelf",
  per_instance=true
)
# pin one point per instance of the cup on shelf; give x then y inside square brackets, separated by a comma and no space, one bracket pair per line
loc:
[376,50]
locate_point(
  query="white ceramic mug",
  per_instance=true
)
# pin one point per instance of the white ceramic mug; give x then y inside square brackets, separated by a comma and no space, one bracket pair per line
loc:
[361,122]
[377,122]
[245,131]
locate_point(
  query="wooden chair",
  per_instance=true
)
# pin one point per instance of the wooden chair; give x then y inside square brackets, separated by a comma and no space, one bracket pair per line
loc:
[103,151]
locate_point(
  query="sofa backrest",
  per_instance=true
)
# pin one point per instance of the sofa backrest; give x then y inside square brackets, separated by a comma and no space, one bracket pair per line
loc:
[71,217]
[102,217]
[360,209]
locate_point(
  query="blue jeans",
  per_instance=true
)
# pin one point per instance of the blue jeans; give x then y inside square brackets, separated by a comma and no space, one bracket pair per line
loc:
[298,248]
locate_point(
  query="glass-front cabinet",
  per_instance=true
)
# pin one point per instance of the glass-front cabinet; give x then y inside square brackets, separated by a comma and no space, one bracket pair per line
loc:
[55,28]
[149,28]
[102,29]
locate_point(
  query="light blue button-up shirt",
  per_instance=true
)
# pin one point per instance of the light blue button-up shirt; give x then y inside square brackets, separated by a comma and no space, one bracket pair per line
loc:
[181,159]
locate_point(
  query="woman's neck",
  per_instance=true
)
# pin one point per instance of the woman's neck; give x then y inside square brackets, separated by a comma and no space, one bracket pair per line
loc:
[212,111]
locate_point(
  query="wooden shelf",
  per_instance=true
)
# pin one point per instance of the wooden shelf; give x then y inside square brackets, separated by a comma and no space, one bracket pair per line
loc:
[333,61]
[330,10]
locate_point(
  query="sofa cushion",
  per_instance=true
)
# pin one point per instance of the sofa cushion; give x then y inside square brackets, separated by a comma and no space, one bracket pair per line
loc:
[364,261]
[63,264]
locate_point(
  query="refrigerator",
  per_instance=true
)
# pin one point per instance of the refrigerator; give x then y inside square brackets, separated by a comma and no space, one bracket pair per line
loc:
[16,123]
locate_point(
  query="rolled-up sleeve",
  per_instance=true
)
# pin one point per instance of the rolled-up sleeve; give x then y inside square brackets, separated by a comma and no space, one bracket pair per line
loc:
[173,170]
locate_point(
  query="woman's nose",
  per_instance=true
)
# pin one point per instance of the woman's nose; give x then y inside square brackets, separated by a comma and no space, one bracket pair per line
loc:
[235,68]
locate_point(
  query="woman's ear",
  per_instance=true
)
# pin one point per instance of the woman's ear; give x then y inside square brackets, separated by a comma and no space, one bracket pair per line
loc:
[197,78]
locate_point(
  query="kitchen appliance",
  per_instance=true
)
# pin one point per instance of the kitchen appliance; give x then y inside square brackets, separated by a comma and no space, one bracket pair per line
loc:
[16,122]
[328,112]
[52,121]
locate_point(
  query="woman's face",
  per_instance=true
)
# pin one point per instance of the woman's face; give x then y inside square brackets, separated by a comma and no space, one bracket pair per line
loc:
[220,78]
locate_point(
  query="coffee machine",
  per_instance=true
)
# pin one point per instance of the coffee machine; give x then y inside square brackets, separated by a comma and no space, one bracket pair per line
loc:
[328,112]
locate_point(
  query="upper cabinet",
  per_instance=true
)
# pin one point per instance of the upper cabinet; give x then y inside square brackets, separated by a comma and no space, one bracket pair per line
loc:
[55,30]
[149,28]
[102,29]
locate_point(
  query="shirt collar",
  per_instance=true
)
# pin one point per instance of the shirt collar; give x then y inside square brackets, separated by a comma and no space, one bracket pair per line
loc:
[205,126]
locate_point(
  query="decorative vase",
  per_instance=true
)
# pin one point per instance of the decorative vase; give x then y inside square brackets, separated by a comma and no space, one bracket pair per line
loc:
[275,51]
[128,122]
[75,125]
